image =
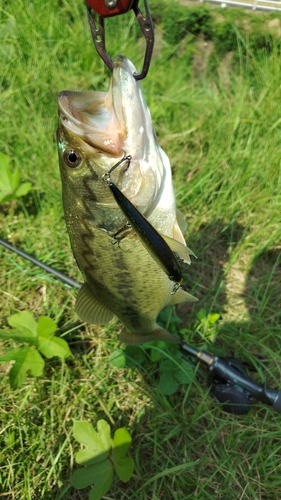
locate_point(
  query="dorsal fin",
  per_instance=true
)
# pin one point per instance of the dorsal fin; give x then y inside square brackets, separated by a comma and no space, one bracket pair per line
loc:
[89,309]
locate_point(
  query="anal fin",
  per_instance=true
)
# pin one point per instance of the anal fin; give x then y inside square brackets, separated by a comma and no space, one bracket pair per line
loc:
[89,309]
[182,296]
[157,334]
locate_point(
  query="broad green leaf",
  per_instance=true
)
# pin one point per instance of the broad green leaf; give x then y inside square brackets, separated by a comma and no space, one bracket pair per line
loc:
[23,189]
[213,318]
[15,178]
[121,441]
[156,354]
[46,326]
[124,468]
[134,356]
[48,344]
[104,433]
[100,475]
[90,456]
[167,384]
[53,346]
[201,315]
[3,196]
[97,443]
[177,354]
[25,322]
[84,432]
[185,376]
[11,354]
[4,164]
[18,335]
[26,359]
[106,478]
[160,344]
[118,358]
[175,319]
[8,180]
[168,365]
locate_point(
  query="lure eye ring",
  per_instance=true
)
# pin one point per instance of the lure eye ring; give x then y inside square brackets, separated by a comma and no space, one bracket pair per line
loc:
[72,158]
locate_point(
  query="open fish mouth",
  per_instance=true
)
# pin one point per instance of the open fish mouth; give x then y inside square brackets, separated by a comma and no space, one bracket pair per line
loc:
[113,121]
[87,115]
[116,122]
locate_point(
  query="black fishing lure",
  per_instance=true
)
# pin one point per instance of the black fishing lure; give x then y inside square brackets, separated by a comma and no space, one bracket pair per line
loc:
[154,243]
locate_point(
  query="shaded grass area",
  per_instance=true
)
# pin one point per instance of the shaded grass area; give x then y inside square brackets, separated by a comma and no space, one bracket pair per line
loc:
[220,126]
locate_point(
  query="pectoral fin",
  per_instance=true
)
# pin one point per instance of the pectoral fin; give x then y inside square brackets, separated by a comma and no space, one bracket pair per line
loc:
[182,250]
[182,296]
[90,309]
[157,334]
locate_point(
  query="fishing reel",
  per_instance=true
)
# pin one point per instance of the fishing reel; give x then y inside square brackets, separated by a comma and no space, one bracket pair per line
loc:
[230,384]
[234,398]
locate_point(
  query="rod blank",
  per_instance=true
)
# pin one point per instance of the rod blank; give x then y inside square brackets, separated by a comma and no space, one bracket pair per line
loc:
[63,277]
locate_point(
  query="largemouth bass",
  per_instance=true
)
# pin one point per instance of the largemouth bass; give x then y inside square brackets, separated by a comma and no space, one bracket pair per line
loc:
[96,130]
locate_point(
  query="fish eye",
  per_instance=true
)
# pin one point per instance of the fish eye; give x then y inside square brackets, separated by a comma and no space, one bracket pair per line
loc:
[72,158]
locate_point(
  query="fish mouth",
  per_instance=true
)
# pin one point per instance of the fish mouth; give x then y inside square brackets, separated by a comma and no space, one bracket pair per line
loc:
[87,115]
[113,121]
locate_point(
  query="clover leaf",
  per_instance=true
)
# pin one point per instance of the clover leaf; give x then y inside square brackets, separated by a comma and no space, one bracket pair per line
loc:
[10,187]
[101,457]
[41,340]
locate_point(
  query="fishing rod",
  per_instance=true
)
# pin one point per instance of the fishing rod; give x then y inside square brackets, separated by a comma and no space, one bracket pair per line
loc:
[63,277]
[230,384]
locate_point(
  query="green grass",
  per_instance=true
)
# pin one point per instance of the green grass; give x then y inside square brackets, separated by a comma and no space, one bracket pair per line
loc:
[220,125]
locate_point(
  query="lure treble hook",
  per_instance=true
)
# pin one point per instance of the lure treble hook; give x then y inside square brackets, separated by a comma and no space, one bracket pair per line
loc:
[152,240]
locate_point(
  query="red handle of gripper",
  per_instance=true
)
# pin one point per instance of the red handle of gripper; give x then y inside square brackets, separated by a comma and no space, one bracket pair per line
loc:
[108,8]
